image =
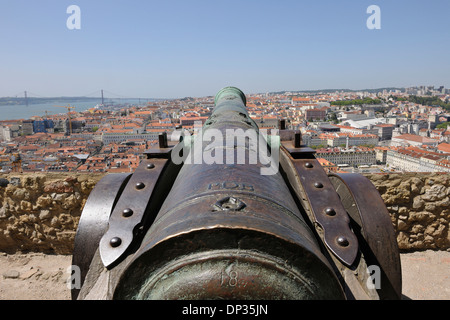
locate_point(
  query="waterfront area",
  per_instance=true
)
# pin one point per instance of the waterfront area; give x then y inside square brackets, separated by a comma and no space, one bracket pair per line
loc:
[395,130]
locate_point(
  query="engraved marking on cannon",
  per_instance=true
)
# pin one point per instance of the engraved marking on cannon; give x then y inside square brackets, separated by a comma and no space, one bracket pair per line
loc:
[231,279]
[234,276]
[230,185]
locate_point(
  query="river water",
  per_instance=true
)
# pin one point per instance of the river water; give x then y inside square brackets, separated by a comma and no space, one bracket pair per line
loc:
[16,112]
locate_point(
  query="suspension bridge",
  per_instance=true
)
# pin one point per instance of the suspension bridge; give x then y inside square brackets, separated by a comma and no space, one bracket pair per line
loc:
[103,96]
[25,104]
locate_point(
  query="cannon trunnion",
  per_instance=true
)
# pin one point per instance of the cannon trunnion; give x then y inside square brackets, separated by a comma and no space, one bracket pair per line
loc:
[235,213]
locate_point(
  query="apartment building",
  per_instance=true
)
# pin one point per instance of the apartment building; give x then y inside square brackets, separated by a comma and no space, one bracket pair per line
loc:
[414,140]
[354,156]
[381,154]
[384,131]
[413,159]
[349,140]
[315,114]
[108,138]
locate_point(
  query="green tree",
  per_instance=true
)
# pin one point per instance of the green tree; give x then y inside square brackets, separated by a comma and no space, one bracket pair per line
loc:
[333,117]
[443,125]
[430,101]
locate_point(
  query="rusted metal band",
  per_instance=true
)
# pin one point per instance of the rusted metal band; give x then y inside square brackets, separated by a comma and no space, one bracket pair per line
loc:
[366,207]
[129,212]
[94,221]
[322,204]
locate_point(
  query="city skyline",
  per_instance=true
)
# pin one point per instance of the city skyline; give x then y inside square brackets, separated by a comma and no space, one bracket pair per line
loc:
[97,95]
[177,49]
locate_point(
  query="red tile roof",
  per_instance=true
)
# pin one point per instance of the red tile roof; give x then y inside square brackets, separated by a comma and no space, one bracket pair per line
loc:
[444,147]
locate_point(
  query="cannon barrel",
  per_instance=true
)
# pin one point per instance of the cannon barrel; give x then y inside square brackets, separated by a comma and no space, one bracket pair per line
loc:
[233,212]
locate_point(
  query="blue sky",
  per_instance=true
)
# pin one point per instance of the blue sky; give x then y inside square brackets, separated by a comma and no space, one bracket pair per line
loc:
[170,49]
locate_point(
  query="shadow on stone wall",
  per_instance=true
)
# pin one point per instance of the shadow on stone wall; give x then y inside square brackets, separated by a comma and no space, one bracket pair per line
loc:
[40,212]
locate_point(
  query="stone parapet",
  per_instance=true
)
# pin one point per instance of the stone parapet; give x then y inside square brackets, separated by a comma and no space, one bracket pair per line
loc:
[40,212]
[419,205]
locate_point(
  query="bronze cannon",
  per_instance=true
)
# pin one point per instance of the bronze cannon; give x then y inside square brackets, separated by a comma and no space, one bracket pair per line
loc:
[234,212]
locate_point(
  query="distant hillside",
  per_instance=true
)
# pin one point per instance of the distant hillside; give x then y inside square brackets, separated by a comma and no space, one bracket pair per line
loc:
[339,90]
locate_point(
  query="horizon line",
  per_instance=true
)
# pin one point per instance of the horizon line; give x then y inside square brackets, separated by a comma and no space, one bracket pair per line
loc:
[253,93]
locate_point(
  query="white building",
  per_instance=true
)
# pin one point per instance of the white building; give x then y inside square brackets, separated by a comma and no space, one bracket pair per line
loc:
[352,140]
[416,160]
[349,156]
[107,138]
[412,140]
[5,133]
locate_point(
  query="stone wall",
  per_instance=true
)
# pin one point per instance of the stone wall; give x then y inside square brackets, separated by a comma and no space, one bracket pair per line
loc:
[40,212]
[419,205]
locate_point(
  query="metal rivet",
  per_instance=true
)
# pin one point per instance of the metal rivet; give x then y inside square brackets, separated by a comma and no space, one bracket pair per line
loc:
[150,166]
[140,185]
[309,165]
[330,212]
[318,185]
[342,241]
[115,242]
[127,213]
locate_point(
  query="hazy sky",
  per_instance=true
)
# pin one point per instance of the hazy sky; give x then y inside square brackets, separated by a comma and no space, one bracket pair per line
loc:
[169,49]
